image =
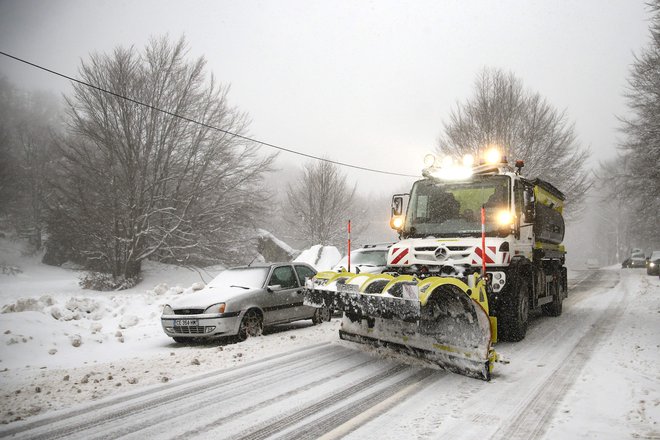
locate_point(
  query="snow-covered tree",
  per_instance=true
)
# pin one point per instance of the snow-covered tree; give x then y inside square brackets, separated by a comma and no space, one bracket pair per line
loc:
[640,178]
[135,182]
[523,126]
[319,204]
[27,120]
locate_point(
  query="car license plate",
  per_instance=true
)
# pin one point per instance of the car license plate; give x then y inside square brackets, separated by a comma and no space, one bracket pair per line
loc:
[185,322]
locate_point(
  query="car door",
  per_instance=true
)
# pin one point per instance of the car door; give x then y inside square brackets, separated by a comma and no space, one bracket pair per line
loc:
[283,301]
[304,272]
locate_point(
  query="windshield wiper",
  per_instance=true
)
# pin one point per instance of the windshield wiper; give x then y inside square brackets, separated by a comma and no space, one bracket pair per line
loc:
[242,287]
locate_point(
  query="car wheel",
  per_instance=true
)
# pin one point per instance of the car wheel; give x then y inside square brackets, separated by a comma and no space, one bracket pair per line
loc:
[321,314]
[251,325]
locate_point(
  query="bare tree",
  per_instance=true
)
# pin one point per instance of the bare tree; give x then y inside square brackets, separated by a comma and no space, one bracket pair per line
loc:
[26,155]
[135,183]
[524,126]
[319,204]
[639,180]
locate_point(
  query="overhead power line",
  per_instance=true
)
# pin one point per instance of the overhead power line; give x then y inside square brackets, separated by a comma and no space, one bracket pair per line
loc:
[212,127]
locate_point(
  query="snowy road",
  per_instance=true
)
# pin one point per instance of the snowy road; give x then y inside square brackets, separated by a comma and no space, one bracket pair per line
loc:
[334,390]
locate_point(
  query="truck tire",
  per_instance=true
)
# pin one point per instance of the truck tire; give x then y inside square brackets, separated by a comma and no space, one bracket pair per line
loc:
[555,307]
[514,315]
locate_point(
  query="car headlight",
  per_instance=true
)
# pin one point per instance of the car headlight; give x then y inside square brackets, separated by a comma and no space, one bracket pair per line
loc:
[651,264]
[215,308]
[167,310]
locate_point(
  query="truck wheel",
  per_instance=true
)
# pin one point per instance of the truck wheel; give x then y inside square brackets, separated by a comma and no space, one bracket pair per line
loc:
[555,307]
[512,322]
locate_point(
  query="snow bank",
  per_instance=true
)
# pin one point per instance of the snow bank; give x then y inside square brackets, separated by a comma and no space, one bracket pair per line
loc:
[60,344]
[320,257]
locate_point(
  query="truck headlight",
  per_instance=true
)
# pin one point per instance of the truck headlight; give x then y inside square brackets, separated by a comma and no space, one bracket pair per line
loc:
[504,218]
[215,308]
[396,222]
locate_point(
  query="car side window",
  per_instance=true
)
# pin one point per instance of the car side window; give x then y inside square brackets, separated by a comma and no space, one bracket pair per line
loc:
[284,276]
[304,272]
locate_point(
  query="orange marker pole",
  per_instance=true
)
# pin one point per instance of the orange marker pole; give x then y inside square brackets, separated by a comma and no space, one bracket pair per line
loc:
[349,245]
[483,242]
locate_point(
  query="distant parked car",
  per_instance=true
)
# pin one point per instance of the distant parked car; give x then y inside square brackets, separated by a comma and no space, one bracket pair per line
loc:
[636,260]
[653,267]
[242,301]
[592,263]
[371,258]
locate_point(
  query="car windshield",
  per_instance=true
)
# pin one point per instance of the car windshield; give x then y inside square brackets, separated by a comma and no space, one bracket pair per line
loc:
[253,277]
[454,209]
[638,256]
[366,258]
[655,255]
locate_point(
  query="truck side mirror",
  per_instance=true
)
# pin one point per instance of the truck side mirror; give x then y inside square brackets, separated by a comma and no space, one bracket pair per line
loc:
[396,218]
[528,210]
[397,205]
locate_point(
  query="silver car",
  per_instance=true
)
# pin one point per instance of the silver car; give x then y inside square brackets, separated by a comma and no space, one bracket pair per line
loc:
[242,301]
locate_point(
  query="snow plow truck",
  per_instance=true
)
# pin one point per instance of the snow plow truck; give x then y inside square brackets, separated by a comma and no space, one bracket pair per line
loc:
[480,246]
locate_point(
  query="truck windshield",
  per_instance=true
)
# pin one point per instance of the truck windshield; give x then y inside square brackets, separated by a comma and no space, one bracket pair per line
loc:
[453,209]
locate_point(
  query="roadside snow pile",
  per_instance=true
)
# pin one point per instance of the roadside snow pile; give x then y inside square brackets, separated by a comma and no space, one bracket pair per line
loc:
[60,344]
[320,257]
[46,318]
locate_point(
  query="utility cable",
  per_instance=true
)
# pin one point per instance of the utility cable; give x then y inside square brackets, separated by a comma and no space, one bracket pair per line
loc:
[175,115]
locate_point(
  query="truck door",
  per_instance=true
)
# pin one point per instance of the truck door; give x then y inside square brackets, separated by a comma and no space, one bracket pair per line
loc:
[523,199]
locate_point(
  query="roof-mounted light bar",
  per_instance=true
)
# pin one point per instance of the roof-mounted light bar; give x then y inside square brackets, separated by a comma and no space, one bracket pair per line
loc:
[446,168]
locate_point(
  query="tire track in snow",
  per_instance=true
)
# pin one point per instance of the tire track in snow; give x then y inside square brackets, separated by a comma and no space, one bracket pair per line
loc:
[538,333]
[226,417]
[122,406]
[338,423]
[462,399]
[538,412]
[281,423]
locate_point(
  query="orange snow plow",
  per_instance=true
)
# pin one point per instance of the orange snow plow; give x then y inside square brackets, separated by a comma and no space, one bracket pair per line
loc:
[443,320]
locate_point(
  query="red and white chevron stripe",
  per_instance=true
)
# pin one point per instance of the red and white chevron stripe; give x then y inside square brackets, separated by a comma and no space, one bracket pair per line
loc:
[398,255]
[477,255]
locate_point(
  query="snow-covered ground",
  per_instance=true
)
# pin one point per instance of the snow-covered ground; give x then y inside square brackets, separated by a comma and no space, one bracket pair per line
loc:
[61,344]
[597,375]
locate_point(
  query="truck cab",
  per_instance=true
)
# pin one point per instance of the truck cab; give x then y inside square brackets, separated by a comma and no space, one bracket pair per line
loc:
[442,231]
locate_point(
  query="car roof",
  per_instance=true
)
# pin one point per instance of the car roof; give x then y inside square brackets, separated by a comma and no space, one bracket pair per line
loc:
[269,265]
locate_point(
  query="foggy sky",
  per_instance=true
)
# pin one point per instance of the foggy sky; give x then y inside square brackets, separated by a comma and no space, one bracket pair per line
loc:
[368,83]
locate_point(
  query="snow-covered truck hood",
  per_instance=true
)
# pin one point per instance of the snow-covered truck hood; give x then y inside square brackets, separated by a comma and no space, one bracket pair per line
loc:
[211,295]
[449,251]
